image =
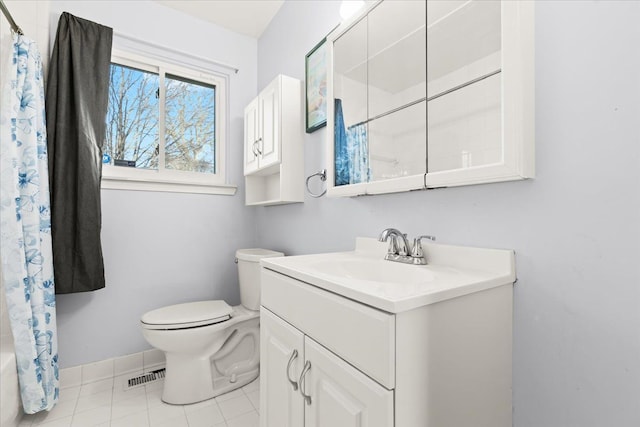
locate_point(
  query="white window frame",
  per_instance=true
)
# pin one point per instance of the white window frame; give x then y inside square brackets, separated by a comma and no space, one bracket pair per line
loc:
[127,178]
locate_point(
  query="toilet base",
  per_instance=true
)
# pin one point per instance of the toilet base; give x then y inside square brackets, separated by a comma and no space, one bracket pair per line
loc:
[187,380]
[192,378]
[191,382]
[224,385]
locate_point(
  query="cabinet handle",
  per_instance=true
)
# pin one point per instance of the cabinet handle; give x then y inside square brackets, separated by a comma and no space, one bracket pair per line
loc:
[258,146]
[307,368]
[294,355]
[253,148]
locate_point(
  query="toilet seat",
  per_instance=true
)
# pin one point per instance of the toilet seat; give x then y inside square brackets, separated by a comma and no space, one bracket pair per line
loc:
[188,315]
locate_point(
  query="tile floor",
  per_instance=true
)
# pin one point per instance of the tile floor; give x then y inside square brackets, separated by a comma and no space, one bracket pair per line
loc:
[102,404]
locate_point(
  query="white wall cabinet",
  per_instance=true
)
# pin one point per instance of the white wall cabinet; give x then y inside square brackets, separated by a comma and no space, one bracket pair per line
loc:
[336,393]
[273,144]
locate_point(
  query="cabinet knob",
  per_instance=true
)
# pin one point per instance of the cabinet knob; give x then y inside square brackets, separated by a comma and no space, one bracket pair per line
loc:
[294,355]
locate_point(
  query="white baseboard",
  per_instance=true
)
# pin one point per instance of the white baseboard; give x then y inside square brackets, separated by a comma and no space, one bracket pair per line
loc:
[144,361]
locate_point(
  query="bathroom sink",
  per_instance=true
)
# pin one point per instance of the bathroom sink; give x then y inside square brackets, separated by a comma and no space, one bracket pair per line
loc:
[364,275]
[374,270]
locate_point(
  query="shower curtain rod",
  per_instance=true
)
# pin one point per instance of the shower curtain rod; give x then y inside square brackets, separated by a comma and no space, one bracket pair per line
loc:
[6,13]
[431,98]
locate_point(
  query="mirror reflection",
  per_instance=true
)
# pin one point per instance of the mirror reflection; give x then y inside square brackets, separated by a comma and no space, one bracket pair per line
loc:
[418,89]
[464,84]
[380,87]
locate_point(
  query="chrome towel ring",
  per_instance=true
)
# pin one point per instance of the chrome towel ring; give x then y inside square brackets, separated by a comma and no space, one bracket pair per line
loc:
[323,177]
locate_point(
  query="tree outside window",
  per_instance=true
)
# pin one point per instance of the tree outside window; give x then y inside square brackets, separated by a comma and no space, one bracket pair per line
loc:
[140,106]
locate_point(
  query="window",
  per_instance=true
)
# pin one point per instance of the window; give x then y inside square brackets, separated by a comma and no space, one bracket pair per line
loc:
[165,128]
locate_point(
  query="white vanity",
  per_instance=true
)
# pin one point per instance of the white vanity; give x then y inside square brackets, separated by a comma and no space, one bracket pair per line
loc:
[350,339]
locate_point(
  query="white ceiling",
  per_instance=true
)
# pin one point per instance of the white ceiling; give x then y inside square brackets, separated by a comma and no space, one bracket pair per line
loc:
[249,17]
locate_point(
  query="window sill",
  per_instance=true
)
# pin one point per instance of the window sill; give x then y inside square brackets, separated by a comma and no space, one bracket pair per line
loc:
[133,184]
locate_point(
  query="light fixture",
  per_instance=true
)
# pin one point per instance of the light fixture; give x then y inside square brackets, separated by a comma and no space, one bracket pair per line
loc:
[348,8]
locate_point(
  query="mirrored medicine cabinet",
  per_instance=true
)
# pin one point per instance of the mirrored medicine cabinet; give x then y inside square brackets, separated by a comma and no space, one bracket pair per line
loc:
[428,94]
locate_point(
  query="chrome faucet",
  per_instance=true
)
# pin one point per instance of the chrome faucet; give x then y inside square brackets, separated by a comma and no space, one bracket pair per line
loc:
[399,248]
[393,242]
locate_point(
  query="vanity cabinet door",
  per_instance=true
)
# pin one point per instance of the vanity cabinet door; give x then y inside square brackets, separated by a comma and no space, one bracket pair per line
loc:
[340,394]
[281,361]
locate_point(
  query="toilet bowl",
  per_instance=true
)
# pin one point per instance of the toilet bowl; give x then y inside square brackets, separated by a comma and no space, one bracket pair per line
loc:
[210,347]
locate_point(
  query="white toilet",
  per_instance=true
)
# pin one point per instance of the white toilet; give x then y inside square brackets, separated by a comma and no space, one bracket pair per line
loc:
[211,348]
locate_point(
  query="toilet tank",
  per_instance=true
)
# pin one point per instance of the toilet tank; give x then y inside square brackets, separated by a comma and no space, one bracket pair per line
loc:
[249,274]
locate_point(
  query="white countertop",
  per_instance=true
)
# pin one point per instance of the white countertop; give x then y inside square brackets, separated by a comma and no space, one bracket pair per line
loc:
[364,276]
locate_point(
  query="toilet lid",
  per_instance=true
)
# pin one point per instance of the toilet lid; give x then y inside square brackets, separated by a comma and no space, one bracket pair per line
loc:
[188,315]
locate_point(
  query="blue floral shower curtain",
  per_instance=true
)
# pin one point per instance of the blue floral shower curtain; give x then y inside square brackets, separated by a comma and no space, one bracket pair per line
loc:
[351,150]
[358,148]
[25,225]
[341,154]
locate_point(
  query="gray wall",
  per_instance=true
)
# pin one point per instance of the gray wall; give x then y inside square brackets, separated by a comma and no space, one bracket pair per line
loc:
[161,248]
[575,228]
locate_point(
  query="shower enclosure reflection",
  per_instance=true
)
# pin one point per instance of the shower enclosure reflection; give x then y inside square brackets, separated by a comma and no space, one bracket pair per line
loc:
[379,87]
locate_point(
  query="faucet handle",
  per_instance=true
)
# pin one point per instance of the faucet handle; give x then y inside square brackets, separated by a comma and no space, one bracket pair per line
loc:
[416,252]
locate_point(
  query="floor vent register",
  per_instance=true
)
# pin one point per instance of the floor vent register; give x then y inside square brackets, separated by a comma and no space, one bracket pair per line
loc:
[145,378]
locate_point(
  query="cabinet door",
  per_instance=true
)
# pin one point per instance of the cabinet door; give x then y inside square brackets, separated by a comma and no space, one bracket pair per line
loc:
[341,395]
[251,130]
[280,404]
[269,139]
[481,92]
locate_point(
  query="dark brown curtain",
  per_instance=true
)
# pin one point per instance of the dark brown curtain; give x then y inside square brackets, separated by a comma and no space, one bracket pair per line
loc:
[76,106]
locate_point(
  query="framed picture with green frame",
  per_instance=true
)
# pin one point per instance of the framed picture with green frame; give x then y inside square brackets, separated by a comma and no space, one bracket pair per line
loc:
[316,87]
